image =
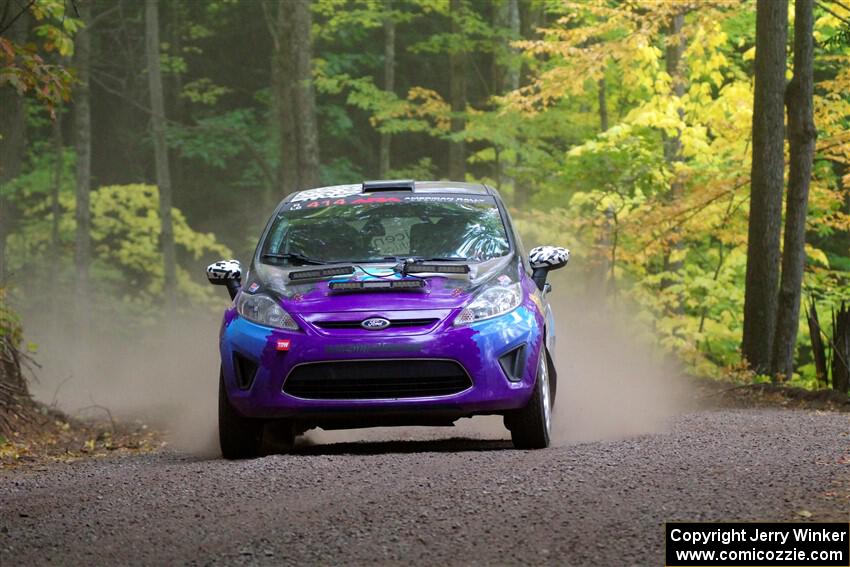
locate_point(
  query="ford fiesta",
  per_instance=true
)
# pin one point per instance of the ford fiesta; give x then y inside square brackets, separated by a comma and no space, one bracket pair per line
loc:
[386,303]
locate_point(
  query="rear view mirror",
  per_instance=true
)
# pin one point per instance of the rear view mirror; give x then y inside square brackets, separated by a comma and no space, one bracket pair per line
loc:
[227,273]
[546,258]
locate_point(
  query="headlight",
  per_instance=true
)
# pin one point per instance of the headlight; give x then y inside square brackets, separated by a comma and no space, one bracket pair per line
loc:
[264,310]
[492,302]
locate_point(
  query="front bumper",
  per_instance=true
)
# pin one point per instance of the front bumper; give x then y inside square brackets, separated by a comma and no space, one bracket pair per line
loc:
[475,347]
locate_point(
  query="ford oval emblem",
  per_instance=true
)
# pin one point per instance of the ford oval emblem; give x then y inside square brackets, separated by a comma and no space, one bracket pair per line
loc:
[375,324]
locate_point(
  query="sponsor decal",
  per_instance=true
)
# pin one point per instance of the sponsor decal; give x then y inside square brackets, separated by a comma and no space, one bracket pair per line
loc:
[283,344]
[253,287]
[367,200]
[370,348]
[352,195]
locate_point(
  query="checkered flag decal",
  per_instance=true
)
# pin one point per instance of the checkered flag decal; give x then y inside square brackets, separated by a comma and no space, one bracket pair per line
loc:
[333,192]
[545,256]
[224,270]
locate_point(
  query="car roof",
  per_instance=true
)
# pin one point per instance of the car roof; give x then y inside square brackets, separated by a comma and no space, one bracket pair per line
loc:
[450,187]
[456,187]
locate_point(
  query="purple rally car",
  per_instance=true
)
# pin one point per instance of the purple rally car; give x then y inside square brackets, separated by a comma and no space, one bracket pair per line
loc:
[386,303]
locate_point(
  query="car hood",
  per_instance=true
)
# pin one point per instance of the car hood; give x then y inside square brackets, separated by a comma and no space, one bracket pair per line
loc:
[441,291]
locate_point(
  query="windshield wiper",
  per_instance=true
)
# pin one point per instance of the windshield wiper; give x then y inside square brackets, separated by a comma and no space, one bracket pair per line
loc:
[382,259]
[420,260]
[298,257]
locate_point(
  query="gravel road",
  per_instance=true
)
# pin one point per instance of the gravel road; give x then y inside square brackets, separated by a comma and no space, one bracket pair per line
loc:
[433,499]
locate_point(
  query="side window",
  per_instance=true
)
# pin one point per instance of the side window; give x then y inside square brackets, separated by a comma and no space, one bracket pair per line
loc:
[273,240]
[520,249]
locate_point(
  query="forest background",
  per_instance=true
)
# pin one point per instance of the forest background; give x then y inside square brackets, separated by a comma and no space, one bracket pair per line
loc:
[140,141]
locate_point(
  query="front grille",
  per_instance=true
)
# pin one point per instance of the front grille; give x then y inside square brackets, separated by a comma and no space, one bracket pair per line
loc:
[393,323]
[376,379]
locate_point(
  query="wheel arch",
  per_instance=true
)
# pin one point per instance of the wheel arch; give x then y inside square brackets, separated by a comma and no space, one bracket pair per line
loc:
[550,363]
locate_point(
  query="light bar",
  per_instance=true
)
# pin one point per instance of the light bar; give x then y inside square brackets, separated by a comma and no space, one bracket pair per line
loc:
[378,284]
[437,268]
[320,273]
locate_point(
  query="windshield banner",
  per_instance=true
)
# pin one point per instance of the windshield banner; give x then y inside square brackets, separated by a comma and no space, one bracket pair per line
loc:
[318,200]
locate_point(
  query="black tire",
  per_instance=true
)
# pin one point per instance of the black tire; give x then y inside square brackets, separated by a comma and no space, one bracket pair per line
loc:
[278,437]
[531,426]
[239,437]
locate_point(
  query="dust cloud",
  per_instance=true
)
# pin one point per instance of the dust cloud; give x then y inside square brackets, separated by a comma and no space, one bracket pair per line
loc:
[164,376]
[609,384]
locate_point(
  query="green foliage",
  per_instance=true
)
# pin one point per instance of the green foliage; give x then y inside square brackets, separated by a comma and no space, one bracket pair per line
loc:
[10,323]
[23,65]
[128,266]
[217,139]
[125,232]
[669,235]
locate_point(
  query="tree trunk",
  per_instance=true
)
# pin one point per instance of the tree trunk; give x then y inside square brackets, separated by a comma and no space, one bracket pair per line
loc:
[533,17]
[56,189]
[502,40]
[389,86]
[285,94]
[54,255]
[766,179]
[296,99]
[271,11]
[603,105]
[457,96]
[673,144]
[178,105]
[305,97]
[12,143]
[82,166]
[512,74]
[163,175]
[801,140]
[505,73]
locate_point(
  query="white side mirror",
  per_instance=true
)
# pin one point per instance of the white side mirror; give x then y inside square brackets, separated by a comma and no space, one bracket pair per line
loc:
[548,257]
[226,272]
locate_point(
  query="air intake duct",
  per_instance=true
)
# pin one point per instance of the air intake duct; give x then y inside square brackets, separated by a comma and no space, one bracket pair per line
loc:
[246,369]
[512,363]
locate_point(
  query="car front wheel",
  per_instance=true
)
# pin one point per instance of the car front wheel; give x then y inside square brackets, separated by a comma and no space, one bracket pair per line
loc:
[531,426]
[239,437]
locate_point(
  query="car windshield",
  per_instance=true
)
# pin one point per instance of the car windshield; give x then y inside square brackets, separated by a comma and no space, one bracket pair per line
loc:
[365,228]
